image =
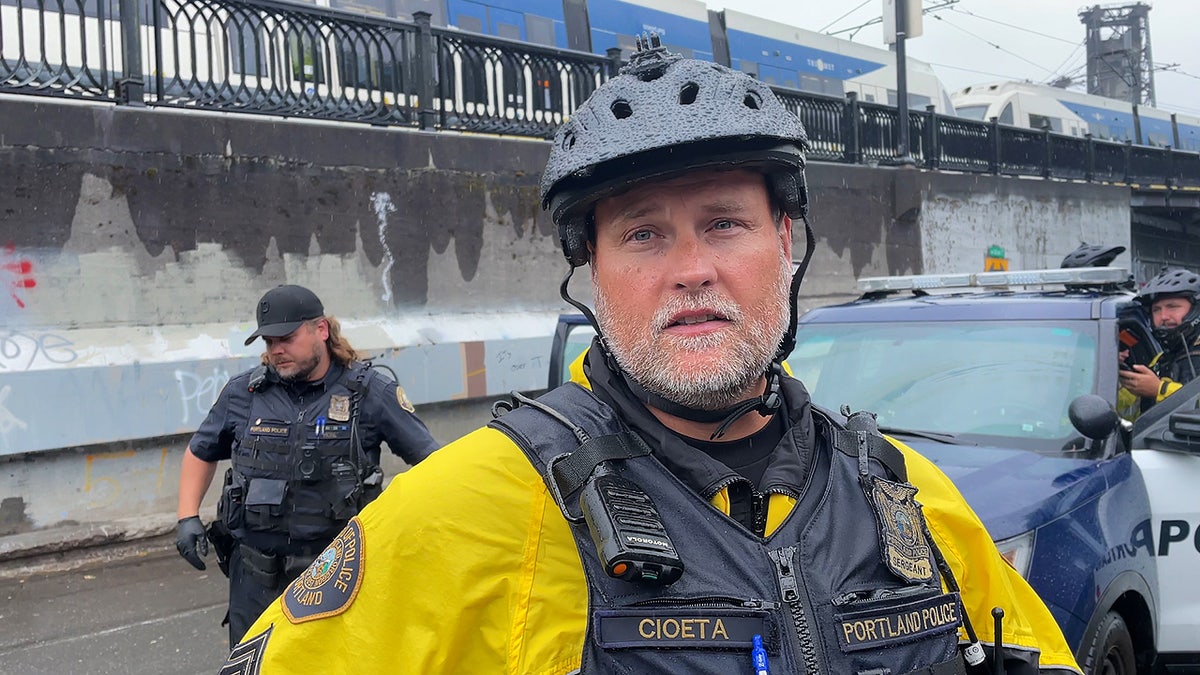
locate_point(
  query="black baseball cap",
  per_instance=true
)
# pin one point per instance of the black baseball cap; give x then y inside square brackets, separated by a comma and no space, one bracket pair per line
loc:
[283,309]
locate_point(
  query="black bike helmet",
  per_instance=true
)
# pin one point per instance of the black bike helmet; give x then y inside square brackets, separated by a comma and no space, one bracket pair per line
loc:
[664,115]
[661,115]
[1091,256]
[1174,283]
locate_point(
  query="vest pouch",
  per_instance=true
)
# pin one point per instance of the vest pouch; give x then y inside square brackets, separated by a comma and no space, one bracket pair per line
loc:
[264,504]
[372,487]
[231,505]
[346,489]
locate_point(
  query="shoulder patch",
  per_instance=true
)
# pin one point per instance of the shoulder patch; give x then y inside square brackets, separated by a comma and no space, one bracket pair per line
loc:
[329,585]
[246,657]
[402,399]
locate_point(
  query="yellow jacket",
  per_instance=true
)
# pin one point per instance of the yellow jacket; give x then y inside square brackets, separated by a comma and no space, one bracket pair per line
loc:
[465,565]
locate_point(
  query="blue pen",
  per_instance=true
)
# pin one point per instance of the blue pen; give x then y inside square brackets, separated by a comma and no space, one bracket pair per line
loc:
[320,427]
[758,656]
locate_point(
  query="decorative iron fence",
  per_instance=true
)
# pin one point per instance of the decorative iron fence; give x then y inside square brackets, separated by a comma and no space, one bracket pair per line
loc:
[283,58]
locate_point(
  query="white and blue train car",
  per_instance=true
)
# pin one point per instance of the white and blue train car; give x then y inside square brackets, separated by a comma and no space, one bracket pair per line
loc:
[802,59]
[1074,113]
[774,52]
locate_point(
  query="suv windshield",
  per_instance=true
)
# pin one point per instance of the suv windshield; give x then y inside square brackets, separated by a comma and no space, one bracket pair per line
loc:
[1008,379]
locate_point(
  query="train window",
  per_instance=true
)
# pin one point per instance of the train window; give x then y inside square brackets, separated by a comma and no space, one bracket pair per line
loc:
[915,101]
[975,112]
[1006,115]
[821,85]
[370,7]
[508,30]
[305,55]
[1043,121]
[539,30]
[471,24]
[88,8]
[685,52]
[246,52]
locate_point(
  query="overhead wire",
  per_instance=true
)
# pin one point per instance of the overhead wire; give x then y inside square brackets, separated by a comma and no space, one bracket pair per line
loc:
[827,26]
[1020,28]
[993,44]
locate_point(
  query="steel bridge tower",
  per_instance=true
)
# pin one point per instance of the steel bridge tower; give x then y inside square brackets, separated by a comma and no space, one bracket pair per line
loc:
[1119,64]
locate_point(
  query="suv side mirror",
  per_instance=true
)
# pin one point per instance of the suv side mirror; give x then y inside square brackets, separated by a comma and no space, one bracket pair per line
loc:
[1093,416]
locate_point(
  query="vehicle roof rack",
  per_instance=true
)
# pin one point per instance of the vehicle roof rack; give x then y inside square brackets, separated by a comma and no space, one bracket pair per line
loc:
[1080,277]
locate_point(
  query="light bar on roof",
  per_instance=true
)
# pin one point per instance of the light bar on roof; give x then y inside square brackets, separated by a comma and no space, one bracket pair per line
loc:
[1080,275]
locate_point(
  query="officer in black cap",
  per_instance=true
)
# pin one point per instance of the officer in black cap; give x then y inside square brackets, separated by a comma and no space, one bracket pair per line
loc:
[303,433]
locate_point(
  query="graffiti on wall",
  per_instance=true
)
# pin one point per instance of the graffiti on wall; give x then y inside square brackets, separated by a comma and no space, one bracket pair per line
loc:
[109,476]
[381,203]
[144,400]
[23,350]
[8,421]
[17,274]
[197,393]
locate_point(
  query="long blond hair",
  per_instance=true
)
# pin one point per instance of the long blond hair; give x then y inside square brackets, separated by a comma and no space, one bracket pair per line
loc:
[340,349]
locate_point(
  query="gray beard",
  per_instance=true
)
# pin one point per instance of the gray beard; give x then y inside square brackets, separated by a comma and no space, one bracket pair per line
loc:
[739,376]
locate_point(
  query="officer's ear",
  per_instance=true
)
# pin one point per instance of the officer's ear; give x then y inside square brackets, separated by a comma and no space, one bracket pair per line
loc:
[322,327]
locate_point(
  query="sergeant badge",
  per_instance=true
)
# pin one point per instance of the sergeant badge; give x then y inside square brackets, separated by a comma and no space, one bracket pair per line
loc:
[246,657]
[402,398]
[339,408]
[330,584]
[901,529]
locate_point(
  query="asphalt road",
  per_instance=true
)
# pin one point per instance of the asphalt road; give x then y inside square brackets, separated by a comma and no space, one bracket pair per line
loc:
[150,614]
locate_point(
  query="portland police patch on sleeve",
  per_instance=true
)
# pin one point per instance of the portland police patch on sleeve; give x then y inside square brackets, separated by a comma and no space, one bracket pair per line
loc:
[246,658]
[329,585]
[402,399]
[901,529]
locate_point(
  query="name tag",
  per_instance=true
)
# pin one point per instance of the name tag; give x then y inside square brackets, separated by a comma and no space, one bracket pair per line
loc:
[269,429]
[681,628]
[895,624]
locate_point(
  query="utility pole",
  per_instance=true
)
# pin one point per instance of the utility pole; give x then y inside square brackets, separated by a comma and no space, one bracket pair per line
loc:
[905,26]
[903,155]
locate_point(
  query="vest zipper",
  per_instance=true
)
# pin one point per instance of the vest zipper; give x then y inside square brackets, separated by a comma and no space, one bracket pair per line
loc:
[758,510]
[708,601]
[789,587]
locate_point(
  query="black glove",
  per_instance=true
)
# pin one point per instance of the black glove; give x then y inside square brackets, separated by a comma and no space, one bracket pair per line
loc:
[191,540]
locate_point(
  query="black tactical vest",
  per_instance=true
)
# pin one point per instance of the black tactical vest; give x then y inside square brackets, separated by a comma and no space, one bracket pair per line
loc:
[298,471]
[847,585]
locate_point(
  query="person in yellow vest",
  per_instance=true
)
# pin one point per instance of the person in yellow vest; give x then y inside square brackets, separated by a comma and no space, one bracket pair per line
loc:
[681,506]
[1173,300]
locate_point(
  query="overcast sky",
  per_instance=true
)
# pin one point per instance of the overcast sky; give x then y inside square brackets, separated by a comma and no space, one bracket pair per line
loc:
[977,41]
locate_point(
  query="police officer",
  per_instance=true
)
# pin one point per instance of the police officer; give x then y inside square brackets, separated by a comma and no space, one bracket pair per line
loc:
[303,432]
[682,507]
[1173,300]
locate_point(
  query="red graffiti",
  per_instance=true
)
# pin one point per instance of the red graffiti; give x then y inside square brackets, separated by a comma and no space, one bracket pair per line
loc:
[22,275]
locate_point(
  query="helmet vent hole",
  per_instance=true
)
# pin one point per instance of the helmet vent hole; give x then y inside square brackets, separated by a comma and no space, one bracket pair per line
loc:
[621,109]
[687,95]
[752,100]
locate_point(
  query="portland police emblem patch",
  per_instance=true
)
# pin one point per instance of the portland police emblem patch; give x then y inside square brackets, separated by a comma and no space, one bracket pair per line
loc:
[901,529]
[329,585]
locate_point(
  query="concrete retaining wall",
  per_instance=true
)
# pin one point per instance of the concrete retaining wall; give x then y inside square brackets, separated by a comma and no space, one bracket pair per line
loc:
[134,244]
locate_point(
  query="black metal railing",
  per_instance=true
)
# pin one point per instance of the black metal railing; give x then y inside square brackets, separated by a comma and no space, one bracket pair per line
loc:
[283,58]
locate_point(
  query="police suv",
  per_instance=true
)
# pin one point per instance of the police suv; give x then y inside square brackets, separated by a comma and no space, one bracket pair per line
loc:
[1008,381]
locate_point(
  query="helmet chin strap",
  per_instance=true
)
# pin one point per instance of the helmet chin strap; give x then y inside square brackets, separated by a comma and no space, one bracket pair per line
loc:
[766,405]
